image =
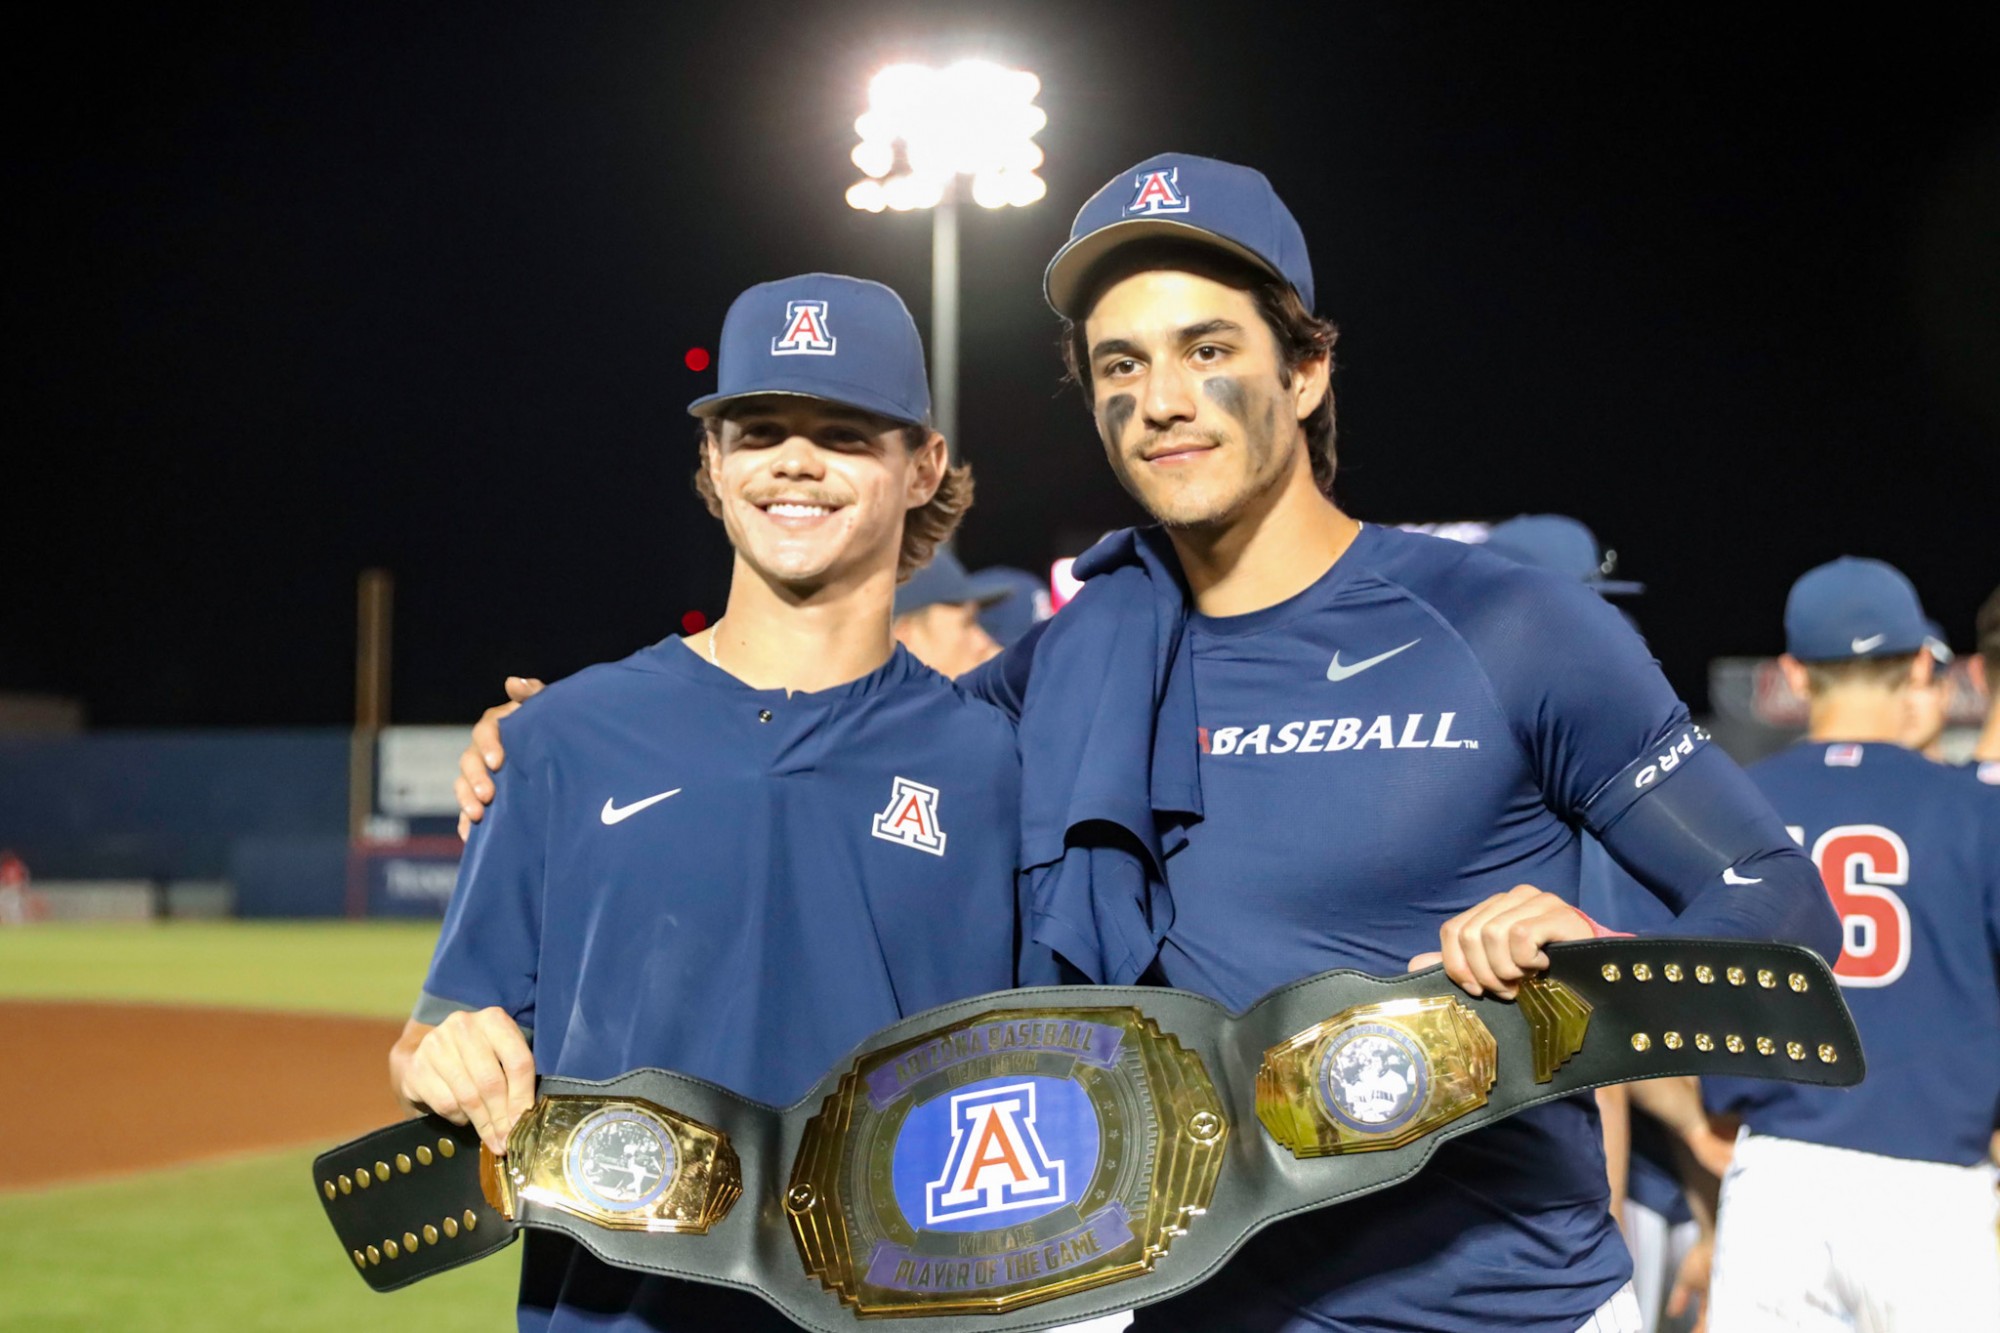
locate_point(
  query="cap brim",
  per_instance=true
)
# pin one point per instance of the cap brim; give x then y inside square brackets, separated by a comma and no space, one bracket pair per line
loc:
[715,404]
[1885,650]
[1069,271]
[989,592]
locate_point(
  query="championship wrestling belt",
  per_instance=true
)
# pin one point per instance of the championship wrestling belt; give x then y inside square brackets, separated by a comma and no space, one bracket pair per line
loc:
[1035,1157]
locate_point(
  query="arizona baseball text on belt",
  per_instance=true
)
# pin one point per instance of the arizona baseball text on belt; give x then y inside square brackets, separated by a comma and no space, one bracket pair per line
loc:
[1034,1157]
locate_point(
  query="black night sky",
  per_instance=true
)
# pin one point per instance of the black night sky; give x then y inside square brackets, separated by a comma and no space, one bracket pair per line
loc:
[299,289]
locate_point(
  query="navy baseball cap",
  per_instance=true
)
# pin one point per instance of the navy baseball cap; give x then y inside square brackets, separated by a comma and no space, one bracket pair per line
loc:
[1026,604]
[821,335]
[1176,195]
[1560,543]
[1853,608]
[944,582]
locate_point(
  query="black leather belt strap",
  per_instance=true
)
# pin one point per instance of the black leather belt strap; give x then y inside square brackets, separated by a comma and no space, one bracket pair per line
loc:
[1250,1118]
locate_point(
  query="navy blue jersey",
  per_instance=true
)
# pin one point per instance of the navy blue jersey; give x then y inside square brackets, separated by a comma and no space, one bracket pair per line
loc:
[1910,853]
[684,872]
[1423,728]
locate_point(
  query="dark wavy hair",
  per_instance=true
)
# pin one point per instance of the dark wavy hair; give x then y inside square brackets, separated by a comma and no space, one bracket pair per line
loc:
[1301,334]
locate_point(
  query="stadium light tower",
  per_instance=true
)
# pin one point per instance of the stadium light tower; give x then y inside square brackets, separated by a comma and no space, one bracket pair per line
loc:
[928,136]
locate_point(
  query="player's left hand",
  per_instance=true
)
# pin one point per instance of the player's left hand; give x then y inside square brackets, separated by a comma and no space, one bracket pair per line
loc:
[1488,949]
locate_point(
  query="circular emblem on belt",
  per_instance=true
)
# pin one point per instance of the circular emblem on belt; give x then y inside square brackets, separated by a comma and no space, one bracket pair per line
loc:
[620,1160]
[1374,1078]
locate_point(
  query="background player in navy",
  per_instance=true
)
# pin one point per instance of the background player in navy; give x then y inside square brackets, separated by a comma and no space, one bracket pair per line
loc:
[1926,707]
[1665,1161]
[1873,1207]
[938,611]
[738,854]
[1266,740]
[1986,754]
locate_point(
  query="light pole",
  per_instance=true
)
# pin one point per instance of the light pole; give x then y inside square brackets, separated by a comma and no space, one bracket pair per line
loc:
[928,137]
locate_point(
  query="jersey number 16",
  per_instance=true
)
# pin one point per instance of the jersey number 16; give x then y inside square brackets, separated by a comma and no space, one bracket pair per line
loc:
[1858,863]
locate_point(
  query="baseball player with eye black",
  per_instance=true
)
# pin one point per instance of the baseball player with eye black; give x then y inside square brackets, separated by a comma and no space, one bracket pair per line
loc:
[1874,1209]
[729,854]
[1267,740]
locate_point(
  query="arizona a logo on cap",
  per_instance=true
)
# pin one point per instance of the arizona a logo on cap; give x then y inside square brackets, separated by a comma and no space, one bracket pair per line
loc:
[1159,192]
[806,331]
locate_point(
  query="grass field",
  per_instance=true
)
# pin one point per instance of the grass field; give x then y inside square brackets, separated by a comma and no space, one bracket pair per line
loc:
[371,968]
[236,1245]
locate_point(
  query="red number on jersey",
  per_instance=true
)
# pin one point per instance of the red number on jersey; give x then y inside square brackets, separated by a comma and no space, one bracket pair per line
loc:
[1858,862]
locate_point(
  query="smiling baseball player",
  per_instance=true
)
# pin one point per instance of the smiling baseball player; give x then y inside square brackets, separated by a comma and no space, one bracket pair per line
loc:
[737,854]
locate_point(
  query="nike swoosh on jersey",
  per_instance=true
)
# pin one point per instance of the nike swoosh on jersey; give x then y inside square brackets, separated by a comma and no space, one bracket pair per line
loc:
[1730,876]
[1869,644]
[612,814]
[1335,671]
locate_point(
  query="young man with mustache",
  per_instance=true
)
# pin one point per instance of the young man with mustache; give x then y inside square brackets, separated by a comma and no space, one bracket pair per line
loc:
[737,854]
[1267,740]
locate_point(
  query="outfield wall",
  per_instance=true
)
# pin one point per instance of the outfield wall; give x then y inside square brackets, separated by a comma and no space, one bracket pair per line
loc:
[168,806]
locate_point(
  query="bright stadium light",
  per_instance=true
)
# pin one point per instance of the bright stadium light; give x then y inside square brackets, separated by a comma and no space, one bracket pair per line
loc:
[929,136]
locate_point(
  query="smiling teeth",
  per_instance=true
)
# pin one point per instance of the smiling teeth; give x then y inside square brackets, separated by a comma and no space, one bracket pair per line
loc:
[784,510]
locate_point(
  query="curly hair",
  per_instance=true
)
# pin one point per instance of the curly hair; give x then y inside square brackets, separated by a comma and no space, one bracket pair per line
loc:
[1301,334]
[924,528]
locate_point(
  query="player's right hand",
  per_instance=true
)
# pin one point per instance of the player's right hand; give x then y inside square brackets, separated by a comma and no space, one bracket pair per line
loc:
[482,758]
[475,1067]
[1691,1283]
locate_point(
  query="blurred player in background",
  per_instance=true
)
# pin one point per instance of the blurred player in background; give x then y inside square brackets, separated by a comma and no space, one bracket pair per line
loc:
[1655,1132]
[644,894]
[1986,754]
[1027,604]
[1873,1207]
[1665,1161]
[1927,707]
[938,612]
[19,903]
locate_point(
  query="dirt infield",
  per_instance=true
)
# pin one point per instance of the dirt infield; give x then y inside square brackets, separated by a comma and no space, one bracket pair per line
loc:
[92,1090]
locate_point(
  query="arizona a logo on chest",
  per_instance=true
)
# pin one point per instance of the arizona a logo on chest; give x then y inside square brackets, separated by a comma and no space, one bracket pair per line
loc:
[911,818]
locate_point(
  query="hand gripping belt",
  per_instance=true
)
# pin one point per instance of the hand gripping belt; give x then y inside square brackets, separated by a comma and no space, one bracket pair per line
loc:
[1036,1157]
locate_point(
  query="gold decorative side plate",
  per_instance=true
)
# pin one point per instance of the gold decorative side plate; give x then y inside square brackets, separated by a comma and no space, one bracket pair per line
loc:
[621,1163]
[1375,1076]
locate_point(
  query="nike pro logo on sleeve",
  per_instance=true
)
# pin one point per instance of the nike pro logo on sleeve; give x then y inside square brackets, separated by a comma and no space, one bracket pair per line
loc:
[611,814]
[1335,671]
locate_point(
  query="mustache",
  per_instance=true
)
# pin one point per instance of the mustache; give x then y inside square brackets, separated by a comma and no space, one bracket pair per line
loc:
[1153,441]
[796,494]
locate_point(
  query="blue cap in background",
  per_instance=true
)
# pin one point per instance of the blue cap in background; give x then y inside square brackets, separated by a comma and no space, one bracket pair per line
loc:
[821,335]
[1853,608]
[1562,545]
[1027,602]
[944,582]
[1176,195]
